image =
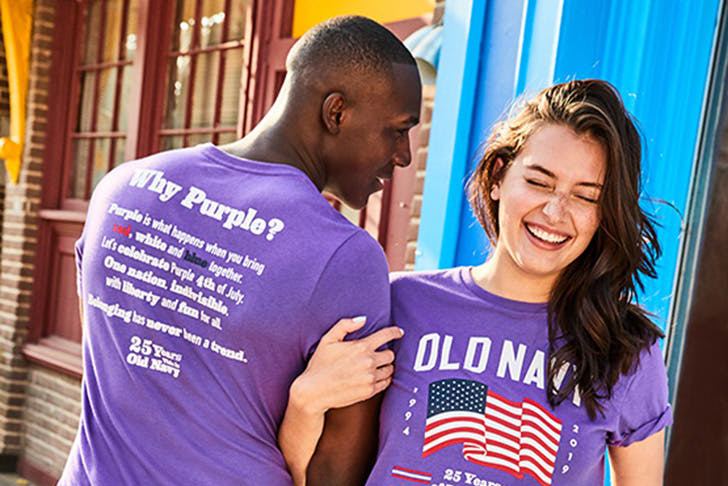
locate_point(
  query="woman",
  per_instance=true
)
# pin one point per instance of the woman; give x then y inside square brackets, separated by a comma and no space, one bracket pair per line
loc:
[525,369]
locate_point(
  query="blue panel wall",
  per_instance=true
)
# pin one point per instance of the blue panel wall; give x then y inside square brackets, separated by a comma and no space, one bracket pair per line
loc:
[658,56]
[656,53]
[495,90]
[451,128]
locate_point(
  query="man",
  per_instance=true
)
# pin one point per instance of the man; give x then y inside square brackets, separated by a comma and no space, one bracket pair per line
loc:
[208,275]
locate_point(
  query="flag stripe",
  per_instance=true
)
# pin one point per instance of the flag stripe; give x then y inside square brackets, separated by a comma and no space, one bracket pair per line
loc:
[534,441]
[412,471]
[505,466]
[532,408]
[512,407]
[505,419]
[536,425]
[437,420]
[439,446]
[530,459]
[423,481]
[502,425]
[448,440]
[455,432]
[531,467]
[491,438]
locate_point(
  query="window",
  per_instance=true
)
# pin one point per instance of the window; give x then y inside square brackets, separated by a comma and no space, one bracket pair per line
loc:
[134,77]
[130,78]
[205,65]
[104,74]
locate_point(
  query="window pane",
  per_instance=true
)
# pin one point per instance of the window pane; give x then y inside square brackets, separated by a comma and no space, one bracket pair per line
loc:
[102,154]
[231,87]
[183,25]
[91,43]
[107,90]
[112,31]
[203,100]
[211,21]
[131,29]
[119,149]
[198,139]
[87,101]
[77,189]
[177,86]
[126,92]
[169,143]
[236,19]
[227,138]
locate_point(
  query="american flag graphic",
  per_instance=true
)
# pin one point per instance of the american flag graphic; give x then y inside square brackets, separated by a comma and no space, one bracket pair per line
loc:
[411,475]
[515,437]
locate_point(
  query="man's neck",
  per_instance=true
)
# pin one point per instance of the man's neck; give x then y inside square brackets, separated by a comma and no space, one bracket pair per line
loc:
[273,143]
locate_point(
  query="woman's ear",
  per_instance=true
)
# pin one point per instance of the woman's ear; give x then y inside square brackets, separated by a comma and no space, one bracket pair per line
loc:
[495,188]
[332,111]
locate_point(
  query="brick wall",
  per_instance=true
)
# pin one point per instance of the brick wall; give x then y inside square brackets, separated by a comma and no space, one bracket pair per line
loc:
[38,407]
[420,158]
[420,161]
[4,117]
[4,90]
[50,418]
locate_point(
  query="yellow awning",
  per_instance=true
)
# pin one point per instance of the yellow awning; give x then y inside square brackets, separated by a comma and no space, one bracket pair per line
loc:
[307,13]
[17,16]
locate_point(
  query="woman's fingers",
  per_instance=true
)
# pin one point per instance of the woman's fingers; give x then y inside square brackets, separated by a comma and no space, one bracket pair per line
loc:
[338,331]
[382,358]
[381,385]
[383,372]
[382,336]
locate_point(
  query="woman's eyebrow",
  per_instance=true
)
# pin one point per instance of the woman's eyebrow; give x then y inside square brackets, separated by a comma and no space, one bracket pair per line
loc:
[548,173]
[542,170]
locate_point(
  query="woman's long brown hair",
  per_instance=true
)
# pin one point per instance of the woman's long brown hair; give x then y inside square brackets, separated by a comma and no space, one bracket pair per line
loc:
[595,328]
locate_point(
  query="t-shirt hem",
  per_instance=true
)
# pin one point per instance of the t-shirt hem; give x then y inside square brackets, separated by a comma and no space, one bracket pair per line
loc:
[647,429]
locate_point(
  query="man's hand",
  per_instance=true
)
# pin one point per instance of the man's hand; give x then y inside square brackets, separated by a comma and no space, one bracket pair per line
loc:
[341,373]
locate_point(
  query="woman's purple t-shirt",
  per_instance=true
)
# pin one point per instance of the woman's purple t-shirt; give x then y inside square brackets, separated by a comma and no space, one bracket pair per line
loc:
[467,405]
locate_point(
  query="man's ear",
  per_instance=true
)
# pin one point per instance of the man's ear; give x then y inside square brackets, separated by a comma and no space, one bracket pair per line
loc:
[332,111]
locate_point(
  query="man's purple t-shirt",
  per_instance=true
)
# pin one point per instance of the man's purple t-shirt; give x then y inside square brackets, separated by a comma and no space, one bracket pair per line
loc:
[467,405]
[207,281]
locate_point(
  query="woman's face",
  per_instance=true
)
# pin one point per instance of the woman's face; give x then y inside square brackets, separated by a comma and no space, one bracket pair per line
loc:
[548,203]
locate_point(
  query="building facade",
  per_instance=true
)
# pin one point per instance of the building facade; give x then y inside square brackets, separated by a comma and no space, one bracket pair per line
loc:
[114,80]
[111,81]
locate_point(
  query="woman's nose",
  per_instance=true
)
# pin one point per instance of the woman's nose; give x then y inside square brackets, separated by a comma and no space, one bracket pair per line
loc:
[555,207]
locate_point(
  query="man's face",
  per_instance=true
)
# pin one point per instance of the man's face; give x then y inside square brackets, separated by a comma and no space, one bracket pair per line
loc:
[374,136]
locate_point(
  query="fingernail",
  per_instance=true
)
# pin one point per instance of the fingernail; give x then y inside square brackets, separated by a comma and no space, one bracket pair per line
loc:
[401,330]
[360,319]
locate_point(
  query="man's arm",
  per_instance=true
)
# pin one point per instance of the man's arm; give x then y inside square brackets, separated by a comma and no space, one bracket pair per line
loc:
[638,464]
[339,377]
[348,446]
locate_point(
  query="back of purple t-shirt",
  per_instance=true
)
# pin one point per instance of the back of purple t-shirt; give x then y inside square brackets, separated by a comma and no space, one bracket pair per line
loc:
[467,405]
[206,282]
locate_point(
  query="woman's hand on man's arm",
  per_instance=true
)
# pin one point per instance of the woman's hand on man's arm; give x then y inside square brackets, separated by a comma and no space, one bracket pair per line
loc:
[340,374]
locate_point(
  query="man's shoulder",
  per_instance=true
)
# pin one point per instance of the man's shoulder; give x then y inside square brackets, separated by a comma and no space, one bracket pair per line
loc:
[358,251]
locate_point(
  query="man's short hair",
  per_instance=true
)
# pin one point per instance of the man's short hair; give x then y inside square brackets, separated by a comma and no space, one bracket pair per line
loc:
[352,43]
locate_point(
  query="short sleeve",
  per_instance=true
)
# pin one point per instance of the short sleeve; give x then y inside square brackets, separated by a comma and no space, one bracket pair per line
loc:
[355,282]
[644,408]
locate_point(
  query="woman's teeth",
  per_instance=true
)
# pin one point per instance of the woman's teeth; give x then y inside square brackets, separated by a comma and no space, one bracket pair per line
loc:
[545,235]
